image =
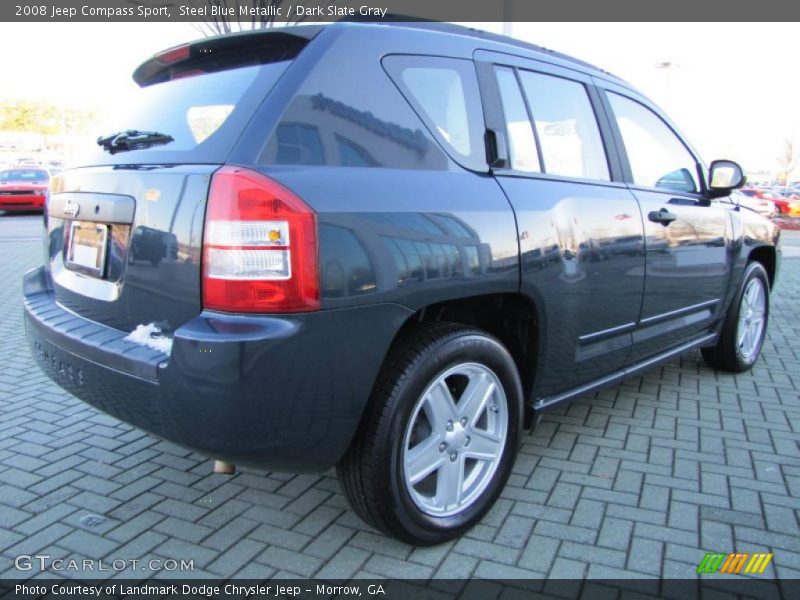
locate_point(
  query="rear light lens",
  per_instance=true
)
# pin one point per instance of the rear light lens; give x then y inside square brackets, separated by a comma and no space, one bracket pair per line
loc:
[173,55]
[260,246]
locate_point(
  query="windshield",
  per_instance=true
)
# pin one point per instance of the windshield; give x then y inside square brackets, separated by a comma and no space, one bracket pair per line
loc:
[24,175]
[204,114]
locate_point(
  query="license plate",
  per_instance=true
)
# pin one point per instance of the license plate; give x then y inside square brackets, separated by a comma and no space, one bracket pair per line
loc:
[87,247]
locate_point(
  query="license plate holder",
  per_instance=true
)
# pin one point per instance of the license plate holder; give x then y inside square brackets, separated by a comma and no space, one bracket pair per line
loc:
[86,251]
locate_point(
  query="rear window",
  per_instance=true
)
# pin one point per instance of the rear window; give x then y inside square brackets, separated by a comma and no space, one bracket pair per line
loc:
[24,175]
[204,114]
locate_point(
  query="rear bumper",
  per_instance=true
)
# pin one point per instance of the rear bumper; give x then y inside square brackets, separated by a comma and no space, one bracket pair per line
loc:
[281,393]
[21,202]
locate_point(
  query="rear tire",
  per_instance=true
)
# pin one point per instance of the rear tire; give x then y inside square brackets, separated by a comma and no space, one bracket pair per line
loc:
[745,325]
[439,437]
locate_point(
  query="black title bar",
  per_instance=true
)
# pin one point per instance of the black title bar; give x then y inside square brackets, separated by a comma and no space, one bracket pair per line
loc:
[281,11]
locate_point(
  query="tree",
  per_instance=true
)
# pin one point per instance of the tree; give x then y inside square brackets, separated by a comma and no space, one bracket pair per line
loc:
[45,118]
[266,14]
[787,161]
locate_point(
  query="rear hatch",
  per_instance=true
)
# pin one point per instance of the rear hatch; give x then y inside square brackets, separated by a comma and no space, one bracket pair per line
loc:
[125,232]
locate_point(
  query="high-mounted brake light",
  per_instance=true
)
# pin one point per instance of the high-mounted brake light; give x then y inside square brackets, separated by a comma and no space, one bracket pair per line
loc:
[260,246]
[173,55]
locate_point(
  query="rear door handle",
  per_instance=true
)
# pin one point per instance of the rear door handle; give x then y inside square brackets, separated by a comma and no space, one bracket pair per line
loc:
[662,216]
[498,149]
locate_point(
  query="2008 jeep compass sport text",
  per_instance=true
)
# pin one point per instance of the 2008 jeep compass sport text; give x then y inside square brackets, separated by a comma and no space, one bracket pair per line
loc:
[386,248]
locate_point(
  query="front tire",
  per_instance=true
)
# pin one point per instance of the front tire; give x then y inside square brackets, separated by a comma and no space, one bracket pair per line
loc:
[745,325]
[439,437]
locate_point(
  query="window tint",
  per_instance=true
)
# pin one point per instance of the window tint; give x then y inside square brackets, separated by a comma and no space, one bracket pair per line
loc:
[348,115]
[656,155]
[566,126]
[522,144]
[353,155]
[444,91]
[299,144]
[441,95]
[204,113]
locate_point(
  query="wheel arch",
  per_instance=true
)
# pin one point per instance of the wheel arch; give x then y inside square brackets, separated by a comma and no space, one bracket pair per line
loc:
[767,257]
[512,318]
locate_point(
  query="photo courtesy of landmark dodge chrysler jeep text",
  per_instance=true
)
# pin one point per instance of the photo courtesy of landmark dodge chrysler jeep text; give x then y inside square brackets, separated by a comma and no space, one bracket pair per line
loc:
[385,248]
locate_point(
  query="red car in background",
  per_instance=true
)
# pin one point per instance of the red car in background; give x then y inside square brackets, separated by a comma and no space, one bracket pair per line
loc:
[23,188]
[786,201]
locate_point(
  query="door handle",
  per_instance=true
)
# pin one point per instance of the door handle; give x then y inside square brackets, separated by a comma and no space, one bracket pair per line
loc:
[498,149]
[662,216]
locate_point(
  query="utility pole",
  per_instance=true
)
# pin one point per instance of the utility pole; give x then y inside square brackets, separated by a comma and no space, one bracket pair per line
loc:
[507,23]
[669,68]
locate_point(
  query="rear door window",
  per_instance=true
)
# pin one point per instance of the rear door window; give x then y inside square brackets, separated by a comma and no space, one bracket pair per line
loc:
[444,92]
[566,126]
[522,144]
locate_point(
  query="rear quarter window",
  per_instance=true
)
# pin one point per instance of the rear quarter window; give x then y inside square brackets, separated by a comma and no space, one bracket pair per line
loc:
[444,93]
[348,113]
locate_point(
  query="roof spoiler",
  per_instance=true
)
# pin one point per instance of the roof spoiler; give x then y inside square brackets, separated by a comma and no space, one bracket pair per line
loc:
[225,52]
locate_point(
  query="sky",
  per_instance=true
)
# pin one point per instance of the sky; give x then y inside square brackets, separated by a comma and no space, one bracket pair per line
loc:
[733,89]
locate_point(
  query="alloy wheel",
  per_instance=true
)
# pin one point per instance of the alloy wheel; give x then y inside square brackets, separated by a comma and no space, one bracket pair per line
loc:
[455,439]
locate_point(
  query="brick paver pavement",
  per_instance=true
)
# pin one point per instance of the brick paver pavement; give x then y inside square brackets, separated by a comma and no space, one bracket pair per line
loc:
[640,480]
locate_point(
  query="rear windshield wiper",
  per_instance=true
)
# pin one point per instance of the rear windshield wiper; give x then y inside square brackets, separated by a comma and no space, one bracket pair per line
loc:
[133,139]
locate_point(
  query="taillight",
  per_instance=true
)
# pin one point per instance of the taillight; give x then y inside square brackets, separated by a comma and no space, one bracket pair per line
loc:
[260,246]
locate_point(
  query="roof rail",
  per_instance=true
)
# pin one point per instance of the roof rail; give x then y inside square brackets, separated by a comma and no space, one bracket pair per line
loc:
[446,27]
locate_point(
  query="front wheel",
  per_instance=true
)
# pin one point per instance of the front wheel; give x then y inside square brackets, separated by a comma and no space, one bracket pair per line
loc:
[440,436]
[745,325]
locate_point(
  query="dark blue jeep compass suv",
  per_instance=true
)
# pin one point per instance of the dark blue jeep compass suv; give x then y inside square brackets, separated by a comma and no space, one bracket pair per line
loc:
[386,248]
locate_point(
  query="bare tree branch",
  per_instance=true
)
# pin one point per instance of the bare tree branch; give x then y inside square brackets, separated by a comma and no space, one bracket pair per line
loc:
[264,14]
[788,159]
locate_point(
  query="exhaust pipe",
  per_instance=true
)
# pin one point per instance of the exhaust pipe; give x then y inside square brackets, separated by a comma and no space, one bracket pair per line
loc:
[226,468]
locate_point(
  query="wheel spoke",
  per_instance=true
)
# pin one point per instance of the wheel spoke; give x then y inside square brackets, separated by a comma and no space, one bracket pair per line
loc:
[424,458]
[755,334]
[439,406]
[473,400]
[483,446]
[758,303]
[752,294]
[742,331]
[450,483]
[748,341]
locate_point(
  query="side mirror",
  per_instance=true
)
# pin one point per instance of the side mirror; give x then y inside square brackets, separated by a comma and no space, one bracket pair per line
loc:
[724,176]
